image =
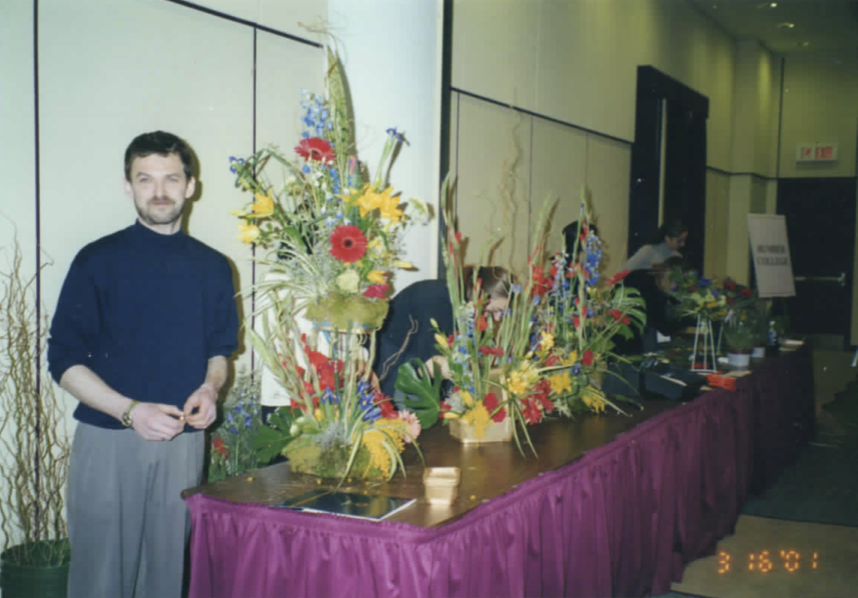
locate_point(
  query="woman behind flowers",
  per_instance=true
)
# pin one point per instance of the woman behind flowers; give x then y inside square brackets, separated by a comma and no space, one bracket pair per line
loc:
[408,332]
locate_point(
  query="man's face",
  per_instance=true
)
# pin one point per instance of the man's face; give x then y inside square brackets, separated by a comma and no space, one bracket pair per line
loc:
[159,189]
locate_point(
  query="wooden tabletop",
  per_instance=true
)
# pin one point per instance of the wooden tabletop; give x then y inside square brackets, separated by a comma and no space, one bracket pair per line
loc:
[487,470]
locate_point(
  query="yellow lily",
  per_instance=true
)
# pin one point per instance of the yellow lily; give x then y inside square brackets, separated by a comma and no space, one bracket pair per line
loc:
[249,233]
[263,207]
[376,277]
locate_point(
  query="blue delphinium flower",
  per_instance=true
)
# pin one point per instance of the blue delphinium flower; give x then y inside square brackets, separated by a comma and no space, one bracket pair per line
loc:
[396,134]
[704,282]
[235,164]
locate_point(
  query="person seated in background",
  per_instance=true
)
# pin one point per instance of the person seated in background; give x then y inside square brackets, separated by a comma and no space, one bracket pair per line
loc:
[654,286]
[669,239]
[408,334]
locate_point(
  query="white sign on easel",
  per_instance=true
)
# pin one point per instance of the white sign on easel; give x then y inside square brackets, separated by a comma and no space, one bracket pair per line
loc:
[770,250]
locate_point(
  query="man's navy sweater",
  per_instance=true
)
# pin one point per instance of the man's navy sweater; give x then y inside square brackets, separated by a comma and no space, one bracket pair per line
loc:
[145,312]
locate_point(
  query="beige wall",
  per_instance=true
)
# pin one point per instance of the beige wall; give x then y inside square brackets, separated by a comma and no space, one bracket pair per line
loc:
[820,105]
[575,62]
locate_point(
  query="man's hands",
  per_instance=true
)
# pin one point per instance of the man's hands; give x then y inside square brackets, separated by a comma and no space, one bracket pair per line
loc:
[201,407]
[157,421]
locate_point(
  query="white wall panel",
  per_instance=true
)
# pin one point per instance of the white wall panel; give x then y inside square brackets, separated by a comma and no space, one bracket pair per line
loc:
[494,151]
[608,170]
[495,46]
[17,129]
[717,229]
[559,171]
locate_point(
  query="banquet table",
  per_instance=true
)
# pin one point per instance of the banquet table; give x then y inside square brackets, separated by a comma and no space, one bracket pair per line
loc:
[612,506]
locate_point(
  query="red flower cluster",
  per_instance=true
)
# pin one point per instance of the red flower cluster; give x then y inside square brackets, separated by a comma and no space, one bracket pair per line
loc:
[618,315]
[388,410]
[535,406]
[348,243]
[481,323]
[219,446]
[541,283]
[617,277]
[490,402]
[376,291]
[315,149]
[497,351]
[587,358]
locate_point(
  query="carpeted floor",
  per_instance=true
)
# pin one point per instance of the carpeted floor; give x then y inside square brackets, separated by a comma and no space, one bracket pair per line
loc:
[822,487]
[812,511]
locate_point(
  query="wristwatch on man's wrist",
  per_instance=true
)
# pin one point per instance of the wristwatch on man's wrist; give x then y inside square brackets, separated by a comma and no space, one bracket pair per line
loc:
[127,416]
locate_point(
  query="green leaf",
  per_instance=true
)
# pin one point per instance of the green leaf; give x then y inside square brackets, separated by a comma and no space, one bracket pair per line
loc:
[413,379]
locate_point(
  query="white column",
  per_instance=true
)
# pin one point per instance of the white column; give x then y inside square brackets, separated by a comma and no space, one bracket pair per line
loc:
[392,53]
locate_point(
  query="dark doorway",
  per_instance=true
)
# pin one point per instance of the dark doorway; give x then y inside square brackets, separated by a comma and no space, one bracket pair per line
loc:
[664,105]
[820,220]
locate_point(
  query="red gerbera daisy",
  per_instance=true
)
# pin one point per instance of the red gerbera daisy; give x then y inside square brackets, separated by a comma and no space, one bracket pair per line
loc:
[316,149]
[348,243]
[376,291]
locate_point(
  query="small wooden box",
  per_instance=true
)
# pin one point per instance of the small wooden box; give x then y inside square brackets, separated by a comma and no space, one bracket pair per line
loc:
[442,484]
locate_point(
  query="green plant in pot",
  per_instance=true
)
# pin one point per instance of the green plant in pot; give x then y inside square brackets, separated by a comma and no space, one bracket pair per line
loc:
[740,342]
[34,447]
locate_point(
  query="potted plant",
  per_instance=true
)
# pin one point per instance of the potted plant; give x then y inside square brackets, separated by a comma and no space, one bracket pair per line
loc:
[740,343]
[34,448]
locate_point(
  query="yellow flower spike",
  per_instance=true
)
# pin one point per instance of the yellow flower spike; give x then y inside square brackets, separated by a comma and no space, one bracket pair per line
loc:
[478,418]
[467,399]
[450,415]
[249,233]
[560,383]
[403,265]
[434,322]
[442,340]
[572,359]
[317,414]
[263,207]
[376,277]
[547,341]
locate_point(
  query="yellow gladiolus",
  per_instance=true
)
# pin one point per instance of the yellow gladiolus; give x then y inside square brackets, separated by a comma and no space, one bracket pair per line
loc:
[450,415]
[560,382]
[467,399]
[376,277]
[249,233]
[442,340]
[403,265]
[263,207]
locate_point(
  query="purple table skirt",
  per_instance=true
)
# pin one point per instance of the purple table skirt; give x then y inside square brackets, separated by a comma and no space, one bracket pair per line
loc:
[624,520]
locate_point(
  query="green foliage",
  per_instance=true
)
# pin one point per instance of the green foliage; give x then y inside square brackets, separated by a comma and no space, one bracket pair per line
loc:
[232,437]
[413,379]
[739,338]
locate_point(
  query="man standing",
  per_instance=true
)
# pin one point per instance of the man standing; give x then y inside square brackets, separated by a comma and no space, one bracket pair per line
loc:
[141,335]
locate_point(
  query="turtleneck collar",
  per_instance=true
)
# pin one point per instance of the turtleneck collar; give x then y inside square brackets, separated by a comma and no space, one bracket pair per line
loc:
[146,235]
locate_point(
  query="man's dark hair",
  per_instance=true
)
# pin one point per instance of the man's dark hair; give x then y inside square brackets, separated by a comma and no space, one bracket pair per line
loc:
[162,143]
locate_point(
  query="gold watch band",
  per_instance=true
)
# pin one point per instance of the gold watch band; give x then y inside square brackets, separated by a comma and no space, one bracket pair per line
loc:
[127,419]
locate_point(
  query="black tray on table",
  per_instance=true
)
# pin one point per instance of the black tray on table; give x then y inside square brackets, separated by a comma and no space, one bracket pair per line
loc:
[671,382]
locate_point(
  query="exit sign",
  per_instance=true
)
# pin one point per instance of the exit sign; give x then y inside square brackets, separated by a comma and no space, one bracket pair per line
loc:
[816,152]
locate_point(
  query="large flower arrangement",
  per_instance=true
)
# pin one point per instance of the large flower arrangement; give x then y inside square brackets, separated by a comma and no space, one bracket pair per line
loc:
[698,295]
[333,232]
[573,321]
[470,349]
[338,424]
[334,236]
